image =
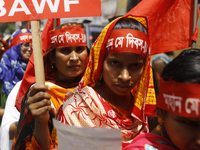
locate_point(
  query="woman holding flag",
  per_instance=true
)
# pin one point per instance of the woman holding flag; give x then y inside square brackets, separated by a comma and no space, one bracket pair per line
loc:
[178,106]
[65,62]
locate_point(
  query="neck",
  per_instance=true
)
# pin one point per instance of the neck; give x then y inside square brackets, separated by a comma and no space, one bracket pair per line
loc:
[122,101]
[163,134]
[68,81]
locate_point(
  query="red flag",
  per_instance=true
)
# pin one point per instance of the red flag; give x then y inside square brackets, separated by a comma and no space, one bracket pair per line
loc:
[170,23]
[45,33]
[29,75]
[28,25]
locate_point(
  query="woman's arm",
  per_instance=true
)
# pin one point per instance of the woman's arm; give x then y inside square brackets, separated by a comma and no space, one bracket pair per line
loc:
[12,130]
[1,112]
[39,105]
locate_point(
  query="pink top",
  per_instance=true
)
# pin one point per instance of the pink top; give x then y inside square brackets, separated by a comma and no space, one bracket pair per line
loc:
[150,141]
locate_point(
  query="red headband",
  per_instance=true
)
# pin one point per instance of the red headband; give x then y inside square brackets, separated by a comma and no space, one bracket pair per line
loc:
[21,38]
[68,36]
[127,40]
[180,98]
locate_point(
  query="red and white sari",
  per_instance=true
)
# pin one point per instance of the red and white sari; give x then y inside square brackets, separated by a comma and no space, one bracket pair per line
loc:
[85,108]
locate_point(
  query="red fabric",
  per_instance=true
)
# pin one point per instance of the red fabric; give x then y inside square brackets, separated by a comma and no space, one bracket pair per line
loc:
[170,23]
[179,98]
[28,25]
[148,141]
[70,35]
[122,40]
[45,36]
[29,75]
[21,38]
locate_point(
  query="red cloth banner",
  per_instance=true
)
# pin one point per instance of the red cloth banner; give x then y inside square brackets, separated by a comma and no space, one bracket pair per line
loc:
[170,23]
[24,10]
[179,98]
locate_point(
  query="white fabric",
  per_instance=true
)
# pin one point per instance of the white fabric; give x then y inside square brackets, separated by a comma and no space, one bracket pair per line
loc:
[11,114]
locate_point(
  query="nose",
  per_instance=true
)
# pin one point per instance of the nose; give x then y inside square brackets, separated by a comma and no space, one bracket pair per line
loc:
[74,56]
[29,48]
[125,76]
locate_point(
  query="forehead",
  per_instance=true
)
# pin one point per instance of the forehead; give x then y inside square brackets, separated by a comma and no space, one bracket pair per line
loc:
[123,56]
[69,47]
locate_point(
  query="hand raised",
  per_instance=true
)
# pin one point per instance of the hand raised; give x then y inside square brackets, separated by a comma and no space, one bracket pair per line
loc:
[38,101]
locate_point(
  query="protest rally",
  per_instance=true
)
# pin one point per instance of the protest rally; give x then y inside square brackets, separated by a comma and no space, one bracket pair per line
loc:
[99,75]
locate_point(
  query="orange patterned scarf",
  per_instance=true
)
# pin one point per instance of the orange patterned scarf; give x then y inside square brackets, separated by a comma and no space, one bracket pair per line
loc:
[24,138]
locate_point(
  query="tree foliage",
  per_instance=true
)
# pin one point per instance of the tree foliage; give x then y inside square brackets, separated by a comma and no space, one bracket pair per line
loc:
[8,28]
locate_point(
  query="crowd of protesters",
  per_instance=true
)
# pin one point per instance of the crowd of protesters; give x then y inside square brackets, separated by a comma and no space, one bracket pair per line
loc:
[113,85]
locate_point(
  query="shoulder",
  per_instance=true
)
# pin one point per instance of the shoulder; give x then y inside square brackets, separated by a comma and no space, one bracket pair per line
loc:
[79,96]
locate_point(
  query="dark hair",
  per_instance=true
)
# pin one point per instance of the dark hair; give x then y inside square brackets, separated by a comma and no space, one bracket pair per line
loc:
[184,68]
[128,23]
[113,18]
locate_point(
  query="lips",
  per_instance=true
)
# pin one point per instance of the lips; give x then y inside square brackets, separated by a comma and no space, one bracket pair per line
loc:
[74,67]
[123,88]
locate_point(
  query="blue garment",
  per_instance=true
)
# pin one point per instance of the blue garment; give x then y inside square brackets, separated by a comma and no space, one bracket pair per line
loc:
[12,68]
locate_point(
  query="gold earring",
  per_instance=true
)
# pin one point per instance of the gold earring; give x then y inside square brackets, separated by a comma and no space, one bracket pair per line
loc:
[101,77]
[159,127]
[52,66]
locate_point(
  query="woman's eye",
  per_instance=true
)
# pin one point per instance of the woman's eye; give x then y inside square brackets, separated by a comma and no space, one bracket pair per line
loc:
[188,123]
[66,51]
[114,63]
[80,48]
[135,65]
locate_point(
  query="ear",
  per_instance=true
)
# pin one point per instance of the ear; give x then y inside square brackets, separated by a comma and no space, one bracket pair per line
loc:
[52,57]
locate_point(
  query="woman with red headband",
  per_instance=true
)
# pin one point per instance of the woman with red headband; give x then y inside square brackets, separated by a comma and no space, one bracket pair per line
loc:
[115,90]
[178,106]
[65,62]
[14,62]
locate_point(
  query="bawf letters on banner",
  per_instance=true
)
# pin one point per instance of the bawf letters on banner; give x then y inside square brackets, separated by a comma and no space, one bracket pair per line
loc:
[22,10]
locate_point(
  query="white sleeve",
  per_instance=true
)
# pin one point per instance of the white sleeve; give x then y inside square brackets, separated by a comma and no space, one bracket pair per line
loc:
[11,114]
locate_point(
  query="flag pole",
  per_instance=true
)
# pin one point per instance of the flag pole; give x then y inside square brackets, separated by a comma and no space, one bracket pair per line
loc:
[37,52]
[54,23]
[194,21]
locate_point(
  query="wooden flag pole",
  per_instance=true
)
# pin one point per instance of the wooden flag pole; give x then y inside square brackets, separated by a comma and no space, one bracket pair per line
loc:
[54,23]
[194,21]
[37,52]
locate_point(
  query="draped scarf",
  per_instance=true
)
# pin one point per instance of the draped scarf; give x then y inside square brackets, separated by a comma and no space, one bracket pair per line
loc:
[84,107]
[24,137]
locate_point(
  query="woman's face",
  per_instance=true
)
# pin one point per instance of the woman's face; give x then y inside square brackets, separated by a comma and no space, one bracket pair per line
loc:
[26,51]
[70,61]
[183,132]
[122,71]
